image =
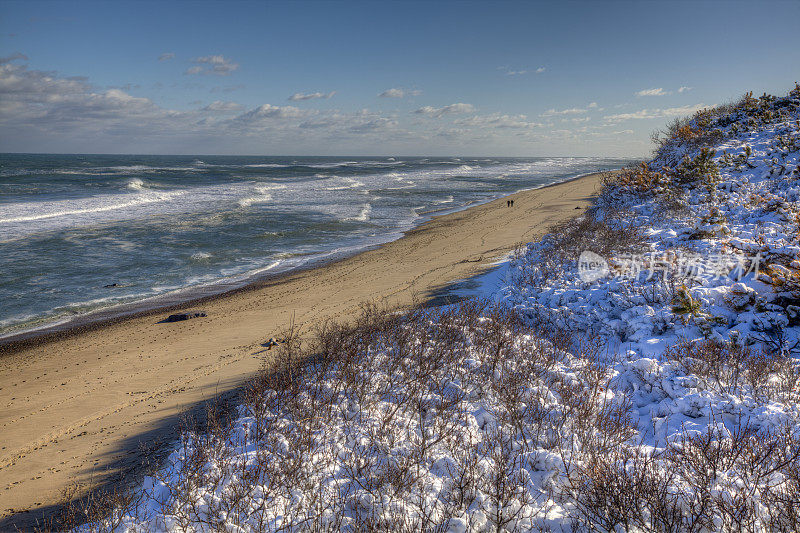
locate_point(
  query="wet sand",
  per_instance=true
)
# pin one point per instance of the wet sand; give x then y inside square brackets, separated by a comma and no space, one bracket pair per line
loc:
[88,406]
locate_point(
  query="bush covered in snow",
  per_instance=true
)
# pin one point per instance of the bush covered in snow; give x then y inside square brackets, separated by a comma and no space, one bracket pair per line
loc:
[660,395]
[701,242]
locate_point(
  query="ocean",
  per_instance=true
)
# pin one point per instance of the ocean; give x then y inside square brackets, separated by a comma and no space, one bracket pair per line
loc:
[82,233]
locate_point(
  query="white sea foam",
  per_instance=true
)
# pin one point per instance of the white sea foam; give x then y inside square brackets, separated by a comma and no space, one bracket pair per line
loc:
[362,216]
[56,209]
[262,196]
[200,256]
[266,268]
[349,183]
[135,184]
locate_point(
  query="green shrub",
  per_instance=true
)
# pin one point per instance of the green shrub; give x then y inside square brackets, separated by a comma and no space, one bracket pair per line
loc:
[700,170]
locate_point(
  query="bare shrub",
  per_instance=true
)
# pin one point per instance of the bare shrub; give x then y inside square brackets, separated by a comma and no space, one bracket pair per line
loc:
[733,368]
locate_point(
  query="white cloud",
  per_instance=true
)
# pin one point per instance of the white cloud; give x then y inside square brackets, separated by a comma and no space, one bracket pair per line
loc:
[397,92]
[518,72]
[683,110]
[659,91]
[642,114]
[219,106]
[376,124]
[214,64]
[45,111]
[48,108]
[571,111]
[337,124]
[13,57]
[656,113]
[451,109]
[593,105]
[296,97]
[39,103]
[684,89]
[496,120]
[166,56]
[269,111]
[393,93]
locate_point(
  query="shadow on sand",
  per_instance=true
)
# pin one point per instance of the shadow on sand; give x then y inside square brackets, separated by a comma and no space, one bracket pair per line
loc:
[134,458]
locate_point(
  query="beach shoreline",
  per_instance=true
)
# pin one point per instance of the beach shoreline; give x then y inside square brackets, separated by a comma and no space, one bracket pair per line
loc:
[79,404]
[201,295]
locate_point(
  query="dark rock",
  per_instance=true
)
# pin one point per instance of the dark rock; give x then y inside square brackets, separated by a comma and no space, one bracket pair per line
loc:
[579,207]
[270,343]
[185,316]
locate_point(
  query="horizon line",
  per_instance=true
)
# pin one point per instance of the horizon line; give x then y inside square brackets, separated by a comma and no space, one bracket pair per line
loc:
[318,155]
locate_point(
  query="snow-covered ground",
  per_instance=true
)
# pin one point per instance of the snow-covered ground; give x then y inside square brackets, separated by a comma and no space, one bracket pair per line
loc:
[655,389]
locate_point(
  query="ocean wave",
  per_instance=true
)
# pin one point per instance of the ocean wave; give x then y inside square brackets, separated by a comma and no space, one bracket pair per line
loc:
[136,184]
[93,171]
[362,216]
[55,209]
[349,183]
[126,169]
[339,164]
[262,196]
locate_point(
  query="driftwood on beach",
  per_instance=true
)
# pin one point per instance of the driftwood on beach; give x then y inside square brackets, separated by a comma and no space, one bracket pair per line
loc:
[185,316]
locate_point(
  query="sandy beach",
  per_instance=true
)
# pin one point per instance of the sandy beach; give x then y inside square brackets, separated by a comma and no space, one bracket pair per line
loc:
[84,407]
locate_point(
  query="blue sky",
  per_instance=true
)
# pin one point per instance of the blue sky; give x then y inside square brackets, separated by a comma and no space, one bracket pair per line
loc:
[304,78]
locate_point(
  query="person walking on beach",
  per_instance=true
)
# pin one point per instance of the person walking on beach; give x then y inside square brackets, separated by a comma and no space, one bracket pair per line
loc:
[508,203]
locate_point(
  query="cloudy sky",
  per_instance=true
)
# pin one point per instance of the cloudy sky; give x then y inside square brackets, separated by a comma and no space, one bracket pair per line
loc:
[378,78]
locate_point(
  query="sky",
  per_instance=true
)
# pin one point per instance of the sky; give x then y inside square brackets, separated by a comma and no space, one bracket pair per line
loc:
[378,78]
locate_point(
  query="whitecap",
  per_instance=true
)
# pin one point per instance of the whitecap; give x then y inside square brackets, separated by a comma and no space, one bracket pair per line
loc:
[136,201]
[362,216]
[262,196]
[350,183]
[136,184]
